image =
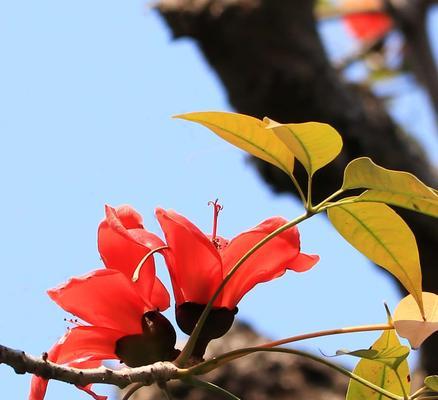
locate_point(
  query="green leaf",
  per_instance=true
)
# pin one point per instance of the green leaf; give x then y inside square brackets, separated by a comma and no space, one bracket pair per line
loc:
[390,356]
[395,380]
[431,382]
[425,206]
[379,233]
[397,188]
[248,134]
[314,144]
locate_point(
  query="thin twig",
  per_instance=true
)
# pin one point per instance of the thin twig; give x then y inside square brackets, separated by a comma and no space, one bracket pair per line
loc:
[235,354]
[211,387]
[410,19]
[365,49]
[132,390]
[419,392]
[165,390]
[329,332]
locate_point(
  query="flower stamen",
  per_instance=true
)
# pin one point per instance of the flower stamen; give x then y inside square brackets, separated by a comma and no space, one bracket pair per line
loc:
[74,322]
[136,273]
[217,208]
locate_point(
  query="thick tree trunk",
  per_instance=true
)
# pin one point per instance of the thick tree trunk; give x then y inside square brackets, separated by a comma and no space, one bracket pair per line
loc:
[272,63]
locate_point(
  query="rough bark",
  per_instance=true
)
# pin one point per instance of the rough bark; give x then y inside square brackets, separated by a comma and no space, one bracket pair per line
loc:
[272,63]
[25,363]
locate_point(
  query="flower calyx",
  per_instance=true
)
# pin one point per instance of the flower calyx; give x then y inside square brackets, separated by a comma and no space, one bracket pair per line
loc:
[156,343]
[218,323]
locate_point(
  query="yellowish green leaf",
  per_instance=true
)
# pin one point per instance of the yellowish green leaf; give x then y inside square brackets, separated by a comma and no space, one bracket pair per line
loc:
[382,375]
[431,382]
[314,144]
[392,356]
[397,188]
[409,322]
[425,206]
[247,133]
[380,233]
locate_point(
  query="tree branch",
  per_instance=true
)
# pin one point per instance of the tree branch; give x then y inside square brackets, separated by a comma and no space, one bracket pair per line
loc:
[410,19]
[24,363]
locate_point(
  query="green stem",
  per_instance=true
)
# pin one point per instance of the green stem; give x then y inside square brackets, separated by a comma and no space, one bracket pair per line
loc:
[188,348]
[165,390]
[309,194]
[325,207]
[329,198]
[211,387]
[132,390]
[419,392]
[329,332]
[405,395]
[250,350]
[235,354]
[300,191]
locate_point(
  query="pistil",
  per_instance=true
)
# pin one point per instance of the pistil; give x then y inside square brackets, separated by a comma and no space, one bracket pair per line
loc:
[217,208]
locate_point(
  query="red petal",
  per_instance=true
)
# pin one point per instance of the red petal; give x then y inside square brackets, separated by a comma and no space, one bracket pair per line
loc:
[268,262]
[87,389]
[89,363]
[169,258]
[368,26]
[104,298]
[303,262]
[84,345]
[127,216]
[160,296]
[79,343]
[38,388]
[193,261]
[123,243]
[38,385]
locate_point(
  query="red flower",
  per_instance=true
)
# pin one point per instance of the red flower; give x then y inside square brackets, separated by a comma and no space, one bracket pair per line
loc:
[368,26]
[123,244]
[198,263]
[124,324]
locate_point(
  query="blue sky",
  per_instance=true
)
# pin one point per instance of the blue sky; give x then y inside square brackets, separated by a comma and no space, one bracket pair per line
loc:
[87,92]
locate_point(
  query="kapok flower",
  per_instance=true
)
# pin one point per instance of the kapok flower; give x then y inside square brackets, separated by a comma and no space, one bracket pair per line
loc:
[124,323]
[198,264]
[368,26]
[126,246]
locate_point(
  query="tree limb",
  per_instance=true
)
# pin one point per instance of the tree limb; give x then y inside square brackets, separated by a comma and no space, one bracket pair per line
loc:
[24,363]
[410,18]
